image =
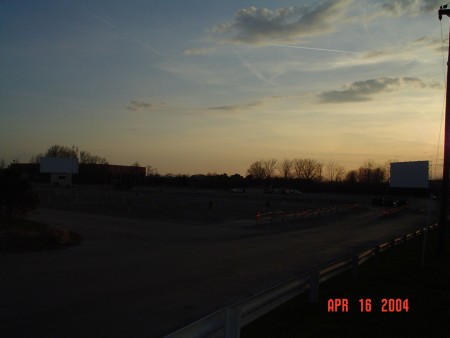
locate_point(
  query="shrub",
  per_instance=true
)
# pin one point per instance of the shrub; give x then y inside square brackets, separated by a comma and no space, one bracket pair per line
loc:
[17,197]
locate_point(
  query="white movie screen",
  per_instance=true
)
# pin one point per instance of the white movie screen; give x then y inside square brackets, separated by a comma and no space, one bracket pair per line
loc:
[409,174]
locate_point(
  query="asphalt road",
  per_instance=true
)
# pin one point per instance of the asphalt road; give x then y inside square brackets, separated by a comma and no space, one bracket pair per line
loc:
[142,278]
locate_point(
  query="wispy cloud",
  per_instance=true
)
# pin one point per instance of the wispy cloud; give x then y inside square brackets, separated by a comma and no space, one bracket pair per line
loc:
[312,48]
[405,51]
[360,91]
[262,102]
[422,50]
[144,106]
[236,107]
[261,26]
[410,7]
[199,51]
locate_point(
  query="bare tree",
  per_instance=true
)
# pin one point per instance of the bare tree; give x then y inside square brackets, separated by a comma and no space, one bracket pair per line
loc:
[371,173]
[83,157]
[308,169]
[36,158]
[257,170]
[286,167]
[351,176]
[86,157]
[387,168]
[334,172]
[270,167]
[149,171]
[379,175]
[62,151]
[2,164]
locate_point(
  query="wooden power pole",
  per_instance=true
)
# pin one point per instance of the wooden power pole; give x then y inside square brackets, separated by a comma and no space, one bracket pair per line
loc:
[443,219]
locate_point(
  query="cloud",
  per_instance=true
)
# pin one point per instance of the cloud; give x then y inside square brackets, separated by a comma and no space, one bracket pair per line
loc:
[410,7]
[263,26]
[144,106]
[428,42]
[361,91]
[199,51]
[406,51]
[237,107]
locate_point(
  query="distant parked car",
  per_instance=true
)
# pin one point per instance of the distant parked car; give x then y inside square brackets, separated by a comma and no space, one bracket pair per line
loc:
[377,201]
[388,201]
[238,190]
[402,202]
[288,191]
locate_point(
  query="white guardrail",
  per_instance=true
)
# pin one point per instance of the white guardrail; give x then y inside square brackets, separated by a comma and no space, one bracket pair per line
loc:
[227,322]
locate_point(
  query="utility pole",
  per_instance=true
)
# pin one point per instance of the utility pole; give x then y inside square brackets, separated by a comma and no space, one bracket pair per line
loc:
[443,219]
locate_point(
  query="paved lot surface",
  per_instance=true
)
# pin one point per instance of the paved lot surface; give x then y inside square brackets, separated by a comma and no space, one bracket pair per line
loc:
[146,278]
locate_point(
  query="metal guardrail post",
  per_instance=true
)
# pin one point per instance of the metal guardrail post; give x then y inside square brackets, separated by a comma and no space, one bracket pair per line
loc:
[232,323]
[393,245]
[355,267]
[314,286]
[377,252]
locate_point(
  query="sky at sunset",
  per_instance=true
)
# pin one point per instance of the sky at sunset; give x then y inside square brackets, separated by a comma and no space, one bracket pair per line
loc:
[213,85]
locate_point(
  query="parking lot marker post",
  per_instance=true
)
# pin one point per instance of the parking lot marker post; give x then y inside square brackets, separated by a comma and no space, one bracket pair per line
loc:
[314,287]
[232,323]
[355,267]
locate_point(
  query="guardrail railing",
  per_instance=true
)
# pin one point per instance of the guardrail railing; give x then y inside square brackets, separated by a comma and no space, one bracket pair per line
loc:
[227,322]
[274,216]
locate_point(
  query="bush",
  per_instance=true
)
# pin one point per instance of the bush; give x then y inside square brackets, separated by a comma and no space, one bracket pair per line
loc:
[55,236]
[26,235]
[17,197]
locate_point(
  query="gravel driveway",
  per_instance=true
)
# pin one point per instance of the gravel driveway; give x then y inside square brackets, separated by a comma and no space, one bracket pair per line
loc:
[146,278]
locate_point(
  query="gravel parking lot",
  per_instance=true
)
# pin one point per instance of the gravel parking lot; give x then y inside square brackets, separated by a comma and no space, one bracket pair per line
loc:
[153,261]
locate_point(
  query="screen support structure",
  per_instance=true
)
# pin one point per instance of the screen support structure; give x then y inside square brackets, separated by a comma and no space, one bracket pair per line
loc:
[443,218]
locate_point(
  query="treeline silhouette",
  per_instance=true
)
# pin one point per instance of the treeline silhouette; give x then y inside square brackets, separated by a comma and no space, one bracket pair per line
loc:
[300,174]
[270,185]
[82,156]
[287,176]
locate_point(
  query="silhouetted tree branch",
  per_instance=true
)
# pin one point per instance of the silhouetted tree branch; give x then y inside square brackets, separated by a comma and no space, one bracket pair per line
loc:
[83,157]
[286,167]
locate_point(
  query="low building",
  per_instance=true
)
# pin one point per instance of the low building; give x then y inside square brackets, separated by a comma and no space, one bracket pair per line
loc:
[60,169]
[110,174]
[67,171]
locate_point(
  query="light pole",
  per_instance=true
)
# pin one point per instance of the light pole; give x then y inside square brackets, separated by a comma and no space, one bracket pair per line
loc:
[445,172]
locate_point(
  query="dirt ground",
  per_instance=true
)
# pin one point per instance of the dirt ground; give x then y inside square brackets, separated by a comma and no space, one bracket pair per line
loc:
[154,261]
[184,204]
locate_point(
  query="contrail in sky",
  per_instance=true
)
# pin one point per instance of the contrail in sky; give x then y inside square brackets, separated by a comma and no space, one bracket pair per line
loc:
[320,49]
[252,69]
[139,41]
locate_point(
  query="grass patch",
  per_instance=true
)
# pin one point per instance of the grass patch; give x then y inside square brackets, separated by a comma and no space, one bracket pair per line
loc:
[24,235]
[397,274]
